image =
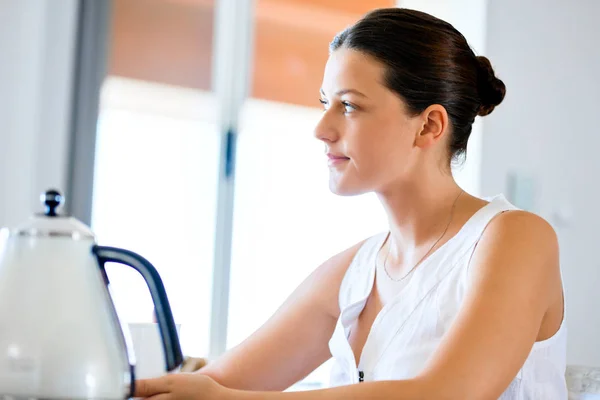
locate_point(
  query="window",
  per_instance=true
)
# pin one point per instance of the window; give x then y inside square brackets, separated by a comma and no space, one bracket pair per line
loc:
[157,158]
[155,193]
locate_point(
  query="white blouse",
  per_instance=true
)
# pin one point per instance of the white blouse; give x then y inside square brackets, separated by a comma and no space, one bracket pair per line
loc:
[409,328]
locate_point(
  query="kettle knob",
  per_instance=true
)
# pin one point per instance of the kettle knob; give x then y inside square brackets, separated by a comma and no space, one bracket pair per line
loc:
[51,199]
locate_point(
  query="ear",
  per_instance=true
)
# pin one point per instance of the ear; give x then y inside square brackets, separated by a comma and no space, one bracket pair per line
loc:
[435,124]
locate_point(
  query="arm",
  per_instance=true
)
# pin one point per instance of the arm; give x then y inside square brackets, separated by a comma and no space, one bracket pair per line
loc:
[515,281]
[294,341]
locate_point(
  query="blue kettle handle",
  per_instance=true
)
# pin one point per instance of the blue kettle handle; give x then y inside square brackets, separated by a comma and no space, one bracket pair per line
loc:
[164,316]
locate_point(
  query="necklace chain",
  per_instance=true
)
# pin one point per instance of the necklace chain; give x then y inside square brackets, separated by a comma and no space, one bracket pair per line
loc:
[426,254]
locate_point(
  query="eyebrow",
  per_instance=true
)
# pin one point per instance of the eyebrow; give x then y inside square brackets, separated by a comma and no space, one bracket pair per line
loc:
[342,92]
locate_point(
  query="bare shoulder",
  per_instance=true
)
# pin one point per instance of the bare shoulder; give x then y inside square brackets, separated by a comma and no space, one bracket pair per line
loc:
[520,244]
[521,229]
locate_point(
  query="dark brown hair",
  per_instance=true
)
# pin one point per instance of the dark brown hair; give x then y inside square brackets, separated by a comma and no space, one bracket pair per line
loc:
[428,62]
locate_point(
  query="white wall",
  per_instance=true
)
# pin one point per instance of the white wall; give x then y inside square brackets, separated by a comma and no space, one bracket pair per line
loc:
[546,131]
[36,48]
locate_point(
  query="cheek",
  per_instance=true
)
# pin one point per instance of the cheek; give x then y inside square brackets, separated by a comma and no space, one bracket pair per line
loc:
[380,148]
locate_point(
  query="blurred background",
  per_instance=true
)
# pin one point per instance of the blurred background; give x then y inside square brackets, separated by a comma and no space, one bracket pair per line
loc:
[182,130]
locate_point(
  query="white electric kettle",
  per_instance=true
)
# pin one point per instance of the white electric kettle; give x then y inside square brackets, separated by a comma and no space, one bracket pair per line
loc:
[60,337]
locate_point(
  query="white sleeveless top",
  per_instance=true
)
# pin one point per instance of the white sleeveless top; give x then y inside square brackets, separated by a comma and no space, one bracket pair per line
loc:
[409,328]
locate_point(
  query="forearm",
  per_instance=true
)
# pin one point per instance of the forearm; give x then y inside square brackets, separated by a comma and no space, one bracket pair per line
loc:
[381,390]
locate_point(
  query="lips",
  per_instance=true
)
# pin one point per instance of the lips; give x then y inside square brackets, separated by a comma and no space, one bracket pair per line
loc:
[336,160]
[333,156]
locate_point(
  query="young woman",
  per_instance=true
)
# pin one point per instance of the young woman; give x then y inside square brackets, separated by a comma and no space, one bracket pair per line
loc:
[461,299]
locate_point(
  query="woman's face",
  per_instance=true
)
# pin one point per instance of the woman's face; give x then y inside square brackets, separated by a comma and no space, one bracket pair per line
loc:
[368,134]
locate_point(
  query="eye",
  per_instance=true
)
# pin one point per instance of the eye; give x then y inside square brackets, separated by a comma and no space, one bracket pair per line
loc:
[348,107]
[324,103]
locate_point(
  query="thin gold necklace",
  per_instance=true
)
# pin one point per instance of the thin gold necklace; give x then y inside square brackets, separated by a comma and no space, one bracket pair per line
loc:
[426,254]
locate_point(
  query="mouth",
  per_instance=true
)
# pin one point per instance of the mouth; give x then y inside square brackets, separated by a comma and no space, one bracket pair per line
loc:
[335,159]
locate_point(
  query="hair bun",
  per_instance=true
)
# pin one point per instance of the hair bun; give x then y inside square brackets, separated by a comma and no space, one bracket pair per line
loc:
[491,89]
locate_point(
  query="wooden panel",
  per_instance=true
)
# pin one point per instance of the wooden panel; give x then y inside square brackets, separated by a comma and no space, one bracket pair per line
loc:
[162,41]
[289,64]
[346,6]
[170,41]
[356,7]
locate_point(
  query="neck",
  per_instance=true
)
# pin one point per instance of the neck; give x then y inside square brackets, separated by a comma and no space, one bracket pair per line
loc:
[418,213]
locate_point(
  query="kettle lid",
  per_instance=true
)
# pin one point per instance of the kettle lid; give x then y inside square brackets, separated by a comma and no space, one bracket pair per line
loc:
[51,224]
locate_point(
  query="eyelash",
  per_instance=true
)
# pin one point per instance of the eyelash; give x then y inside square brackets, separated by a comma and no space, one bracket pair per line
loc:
[344,103]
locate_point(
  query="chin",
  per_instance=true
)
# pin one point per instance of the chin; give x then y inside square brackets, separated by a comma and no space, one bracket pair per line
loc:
[342,188]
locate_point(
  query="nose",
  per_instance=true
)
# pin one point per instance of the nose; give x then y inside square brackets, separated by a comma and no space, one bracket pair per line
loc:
[325,129]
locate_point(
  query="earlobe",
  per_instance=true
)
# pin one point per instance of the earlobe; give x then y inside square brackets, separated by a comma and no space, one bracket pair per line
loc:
[434,126]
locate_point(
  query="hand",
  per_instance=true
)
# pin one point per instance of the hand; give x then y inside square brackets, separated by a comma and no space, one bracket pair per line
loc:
[180,387]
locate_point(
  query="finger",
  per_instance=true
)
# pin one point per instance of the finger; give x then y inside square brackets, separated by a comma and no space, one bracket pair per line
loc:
[163,396]
[151,387]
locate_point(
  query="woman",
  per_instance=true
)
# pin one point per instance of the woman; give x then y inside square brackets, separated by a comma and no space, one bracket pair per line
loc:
[461,299]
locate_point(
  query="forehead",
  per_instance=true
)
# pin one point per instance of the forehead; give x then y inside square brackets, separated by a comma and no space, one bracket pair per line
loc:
[348,68]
